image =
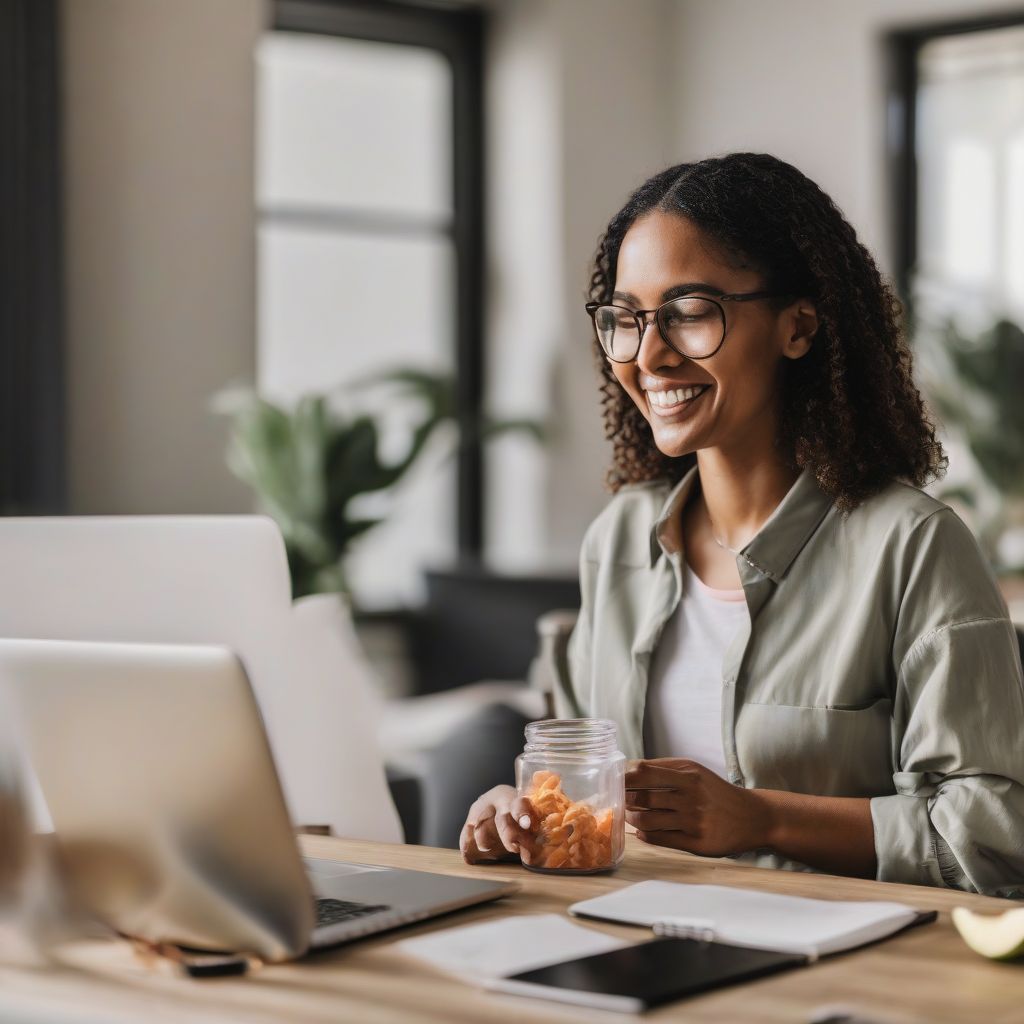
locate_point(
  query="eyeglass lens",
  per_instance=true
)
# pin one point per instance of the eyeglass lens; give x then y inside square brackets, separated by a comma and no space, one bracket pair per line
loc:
[691,325]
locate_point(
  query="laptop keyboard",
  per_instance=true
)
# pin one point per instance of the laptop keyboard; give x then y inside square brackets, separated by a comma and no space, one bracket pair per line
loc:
[331,911]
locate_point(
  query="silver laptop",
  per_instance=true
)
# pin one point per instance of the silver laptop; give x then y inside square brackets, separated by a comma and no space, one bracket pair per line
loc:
[170,820]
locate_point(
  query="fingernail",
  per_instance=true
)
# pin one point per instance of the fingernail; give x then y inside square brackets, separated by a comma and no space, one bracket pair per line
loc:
[524,820]
[482,848]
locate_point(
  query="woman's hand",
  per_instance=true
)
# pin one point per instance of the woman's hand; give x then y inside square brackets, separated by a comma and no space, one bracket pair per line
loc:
[500,826]
[681,804]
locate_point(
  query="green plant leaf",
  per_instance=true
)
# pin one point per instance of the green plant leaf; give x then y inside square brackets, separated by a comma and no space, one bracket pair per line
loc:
[308,463]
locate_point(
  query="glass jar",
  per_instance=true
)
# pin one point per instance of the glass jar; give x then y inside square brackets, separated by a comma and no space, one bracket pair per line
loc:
[574,775]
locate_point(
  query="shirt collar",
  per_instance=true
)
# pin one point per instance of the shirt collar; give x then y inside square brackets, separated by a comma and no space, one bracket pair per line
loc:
[782,535]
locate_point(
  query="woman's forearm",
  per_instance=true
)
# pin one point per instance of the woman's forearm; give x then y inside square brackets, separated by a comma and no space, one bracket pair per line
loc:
[830,833]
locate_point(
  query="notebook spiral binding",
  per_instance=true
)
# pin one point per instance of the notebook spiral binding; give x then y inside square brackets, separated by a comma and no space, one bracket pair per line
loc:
[703,931]
[686,928]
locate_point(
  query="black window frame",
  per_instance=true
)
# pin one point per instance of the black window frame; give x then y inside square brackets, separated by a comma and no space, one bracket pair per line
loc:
[904,46]
[33,414]
[457,32]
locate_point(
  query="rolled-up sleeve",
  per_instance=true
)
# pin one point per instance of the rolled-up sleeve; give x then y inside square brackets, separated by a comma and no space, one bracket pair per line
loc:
[957,816]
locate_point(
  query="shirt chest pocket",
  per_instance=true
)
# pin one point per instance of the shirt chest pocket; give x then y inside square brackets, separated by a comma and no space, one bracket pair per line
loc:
[827,751]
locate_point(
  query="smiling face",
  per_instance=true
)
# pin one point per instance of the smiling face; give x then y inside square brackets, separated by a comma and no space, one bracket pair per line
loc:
[729,400]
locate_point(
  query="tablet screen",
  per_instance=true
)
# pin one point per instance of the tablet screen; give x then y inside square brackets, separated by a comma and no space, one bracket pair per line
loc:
[656,972]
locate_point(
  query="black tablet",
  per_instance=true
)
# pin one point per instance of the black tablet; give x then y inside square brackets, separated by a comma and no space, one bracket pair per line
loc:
[648,974]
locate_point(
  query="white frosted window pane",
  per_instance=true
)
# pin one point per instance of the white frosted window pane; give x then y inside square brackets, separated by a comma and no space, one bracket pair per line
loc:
[970,120]
[355,124]
[335,308]
[969,212]
[386,565]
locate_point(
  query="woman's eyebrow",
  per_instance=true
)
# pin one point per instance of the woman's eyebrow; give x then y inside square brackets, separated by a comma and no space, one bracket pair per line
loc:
[675,292]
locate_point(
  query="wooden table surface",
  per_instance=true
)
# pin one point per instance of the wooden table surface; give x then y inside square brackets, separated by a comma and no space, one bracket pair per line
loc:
[924,975]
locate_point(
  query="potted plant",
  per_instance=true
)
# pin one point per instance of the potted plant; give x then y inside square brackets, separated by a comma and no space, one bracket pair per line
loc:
[309,462]
[974,381]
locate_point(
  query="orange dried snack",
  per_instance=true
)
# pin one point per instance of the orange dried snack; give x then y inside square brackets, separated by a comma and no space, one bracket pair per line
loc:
[557,858]
[546,781]
[573,835]
[578,857]
[576,811]
[585,825]
[547,805]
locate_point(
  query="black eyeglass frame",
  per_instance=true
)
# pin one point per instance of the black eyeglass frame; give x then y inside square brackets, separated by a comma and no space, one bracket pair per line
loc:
[640,315]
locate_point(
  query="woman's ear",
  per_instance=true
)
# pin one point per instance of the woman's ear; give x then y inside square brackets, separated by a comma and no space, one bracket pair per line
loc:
[801,325]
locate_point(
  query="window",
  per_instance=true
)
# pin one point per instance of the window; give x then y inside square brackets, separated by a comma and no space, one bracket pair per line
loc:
[960,178]
[370,242]
[960,203]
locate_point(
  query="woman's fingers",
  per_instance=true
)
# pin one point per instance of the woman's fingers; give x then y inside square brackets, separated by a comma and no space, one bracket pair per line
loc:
[485,835]
[499,824]
[517,825]
[479,841]
[673,840]
[466,844]
[657,821]
[666,774]
[657,799]
[524,814]
[482,807]
[508,832]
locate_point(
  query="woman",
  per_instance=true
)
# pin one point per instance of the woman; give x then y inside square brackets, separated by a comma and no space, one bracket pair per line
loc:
[809,653]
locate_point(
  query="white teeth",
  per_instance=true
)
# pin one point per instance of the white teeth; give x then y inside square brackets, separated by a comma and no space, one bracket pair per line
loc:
[675,396]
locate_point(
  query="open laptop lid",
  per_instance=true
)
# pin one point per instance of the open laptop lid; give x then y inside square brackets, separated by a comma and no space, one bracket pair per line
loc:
[155,766]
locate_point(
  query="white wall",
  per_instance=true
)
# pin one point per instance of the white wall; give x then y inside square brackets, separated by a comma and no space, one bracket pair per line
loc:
[560,86]
[158,145]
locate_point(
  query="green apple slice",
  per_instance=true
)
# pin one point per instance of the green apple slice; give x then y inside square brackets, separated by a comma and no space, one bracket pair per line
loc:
[997,936]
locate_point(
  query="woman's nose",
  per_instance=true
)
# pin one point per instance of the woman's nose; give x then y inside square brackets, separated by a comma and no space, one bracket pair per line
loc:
[653,354]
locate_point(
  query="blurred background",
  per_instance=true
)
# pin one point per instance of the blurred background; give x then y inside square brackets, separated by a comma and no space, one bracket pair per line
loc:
[328,259]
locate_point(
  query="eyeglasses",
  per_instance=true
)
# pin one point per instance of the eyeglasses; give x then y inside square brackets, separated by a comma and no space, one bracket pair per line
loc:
[693,326]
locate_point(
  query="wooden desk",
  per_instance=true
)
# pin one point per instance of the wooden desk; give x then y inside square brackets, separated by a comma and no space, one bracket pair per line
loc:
[922,976]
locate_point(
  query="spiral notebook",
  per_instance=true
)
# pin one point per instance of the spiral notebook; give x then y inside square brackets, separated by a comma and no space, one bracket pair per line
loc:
[752,919]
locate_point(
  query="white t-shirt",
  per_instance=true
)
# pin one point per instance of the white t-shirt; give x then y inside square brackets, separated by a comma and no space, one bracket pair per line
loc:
[683,714]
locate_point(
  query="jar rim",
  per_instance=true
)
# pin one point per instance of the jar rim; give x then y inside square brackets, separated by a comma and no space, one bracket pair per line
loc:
[571,736]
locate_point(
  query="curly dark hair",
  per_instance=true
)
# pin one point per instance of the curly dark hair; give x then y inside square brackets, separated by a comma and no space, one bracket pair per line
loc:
[850,410]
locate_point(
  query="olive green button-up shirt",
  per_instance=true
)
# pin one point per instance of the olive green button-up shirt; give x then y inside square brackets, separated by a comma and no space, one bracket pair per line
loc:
[878,661]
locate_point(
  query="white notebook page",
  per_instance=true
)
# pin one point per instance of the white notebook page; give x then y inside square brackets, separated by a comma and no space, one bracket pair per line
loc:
[745,917]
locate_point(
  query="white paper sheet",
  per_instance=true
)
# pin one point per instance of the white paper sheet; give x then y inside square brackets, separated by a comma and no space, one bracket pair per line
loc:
[497,949]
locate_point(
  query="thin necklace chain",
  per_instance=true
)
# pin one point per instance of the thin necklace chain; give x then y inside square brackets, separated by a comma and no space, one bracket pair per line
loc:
[714,537]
